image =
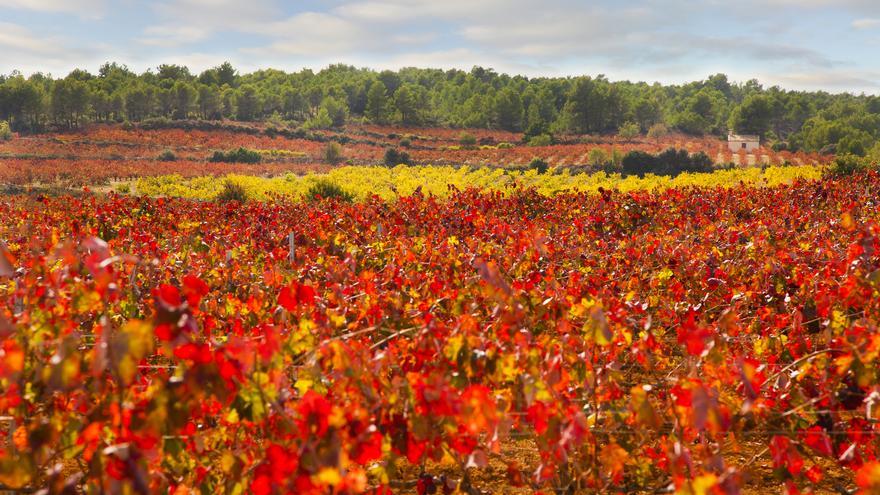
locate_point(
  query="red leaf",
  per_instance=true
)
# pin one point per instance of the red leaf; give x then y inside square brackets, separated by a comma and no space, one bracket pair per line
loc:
[785,456]
[314,411]
[165,332]
[538,415]
[695,338]
[370,449]
[415,449]
[296,294]
[814,474]
[199,353]
[868,476]
[261,485]
[168,295]
[817,439]
[6,262]
[194,289]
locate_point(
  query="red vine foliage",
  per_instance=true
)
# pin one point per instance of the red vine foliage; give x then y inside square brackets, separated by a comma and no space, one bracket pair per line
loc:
[637,340]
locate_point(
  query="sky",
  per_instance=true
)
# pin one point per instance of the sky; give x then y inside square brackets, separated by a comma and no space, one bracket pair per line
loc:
[797,44]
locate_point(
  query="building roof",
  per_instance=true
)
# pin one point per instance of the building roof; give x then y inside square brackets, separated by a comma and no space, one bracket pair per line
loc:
[743,137]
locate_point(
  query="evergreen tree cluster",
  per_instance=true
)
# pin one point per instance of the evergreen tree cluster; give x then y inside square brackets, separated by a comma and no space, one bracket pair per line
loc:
[479,98]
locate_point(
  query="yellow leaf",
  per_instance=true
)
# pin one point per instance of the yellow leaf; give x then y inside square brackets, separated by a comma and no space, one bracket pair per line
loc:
[227,462]
[846,221]
[613,458]
[703,483]
[664,274]
[328,476]
[597,327]
[303,385]
[232,416]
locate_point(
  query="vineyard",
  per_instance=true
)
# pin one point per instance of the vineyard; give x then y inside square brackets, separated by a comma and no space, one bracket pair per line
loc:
[391,183]
[508,339]
[465,324]
[100,155]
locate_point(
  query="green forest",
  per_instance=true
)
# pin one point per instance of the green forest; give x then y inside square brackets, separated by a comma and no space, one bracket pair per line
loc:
[480,98]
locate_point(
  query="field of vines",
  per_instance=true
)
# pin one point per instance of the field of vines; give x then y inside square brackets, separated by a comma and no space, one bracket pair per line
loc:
[99,155]
[693,340]
[390,183]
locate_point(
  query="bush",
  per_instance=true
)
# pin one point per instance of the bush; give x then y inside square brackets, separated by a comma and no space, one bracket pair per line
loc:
[241,155]
[505,146]
[167,156]
[540,165]
[231,192]
[467,139]
[616,157]
[629,131]
[275,121]
[597,157]
[320,121]
[332,152]
[541,140]
[847,165]
[639,163]
[657,131]
[324,189]
[5,131]
[779,146]
[394,157]
[153,123]
[405,142]
[669,163]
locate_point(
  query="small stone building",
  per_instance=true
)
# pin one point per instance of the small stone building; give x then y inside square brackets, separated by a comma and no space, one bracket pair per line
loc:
[745,142]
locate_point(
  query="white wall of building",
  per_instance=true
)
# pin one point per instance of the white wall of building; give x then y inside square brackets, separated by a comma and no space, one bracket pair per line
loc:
[737,145]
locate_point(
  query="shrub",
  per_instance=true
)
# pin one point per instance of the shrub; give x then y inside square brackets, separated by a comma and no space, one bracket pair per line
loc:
[597,157]
[231,192]
[829,149]
[847,165]
[394,157]
[616,157]
[779,146]
[629,131]
[240,155]
[590,139]
[275,121]
[669,163]
[541,140]
[406,142]
[153,123]
[167,156]
[638,163]
[5,131]
[505,146]
[320,121]
[657,131]
[540,165]
[124,188]
[324,189]
[332,152]
[467,139]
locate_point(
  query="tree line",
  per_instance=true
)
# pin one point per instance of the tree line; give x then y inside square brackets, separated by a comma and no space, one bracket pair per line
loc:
[480,98]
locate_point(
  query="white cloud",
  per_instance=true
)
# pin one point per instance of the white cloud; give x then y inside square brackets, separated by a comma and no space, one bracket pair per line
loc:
[90,9]
[18,40]
[190,21]
[30,52]
[866,23]
[849,80]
